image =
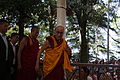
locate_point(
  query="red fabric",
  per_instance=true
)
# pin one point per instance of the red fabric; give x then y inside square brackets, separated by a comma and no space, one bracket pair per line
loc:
[58,72]
[28,61]
[26,75]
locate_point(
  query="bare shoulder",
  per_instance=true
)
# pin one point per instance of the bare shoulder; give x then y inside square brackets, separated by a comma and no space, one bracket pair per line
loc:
[24,41]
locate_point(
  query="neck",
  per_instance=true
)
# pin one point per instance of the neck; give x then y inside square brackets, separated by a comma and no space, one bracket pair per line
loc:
[2,32]
[58,40]
[13,42]
[32,37]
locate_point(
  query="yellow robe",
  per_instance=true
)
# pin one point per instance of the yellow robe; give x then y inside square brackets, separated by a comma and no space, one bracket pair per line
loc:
[52,57]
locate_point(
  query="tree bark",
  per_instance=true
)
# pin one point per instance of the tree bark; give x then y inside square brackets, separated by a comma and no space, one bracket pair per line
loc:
[21,27]
[82,21]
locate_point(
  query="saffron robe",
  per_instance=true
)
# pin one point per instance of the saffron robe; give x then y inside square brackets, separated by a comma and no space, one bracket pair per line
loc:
[56,60]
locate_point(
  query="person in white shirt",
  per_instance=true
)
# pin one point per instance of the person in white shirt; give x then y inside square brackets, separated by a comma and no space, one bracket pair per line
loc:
[13,40]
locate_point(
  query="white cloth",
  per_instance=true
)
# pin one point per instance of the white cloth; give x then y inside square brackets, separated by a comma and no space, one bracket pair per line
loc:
[14,52]
[89,78]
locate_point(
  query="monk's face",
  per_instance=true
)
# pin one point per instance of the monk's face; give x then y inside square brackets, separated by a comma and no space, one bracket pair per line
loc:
[59,32]
[35,33]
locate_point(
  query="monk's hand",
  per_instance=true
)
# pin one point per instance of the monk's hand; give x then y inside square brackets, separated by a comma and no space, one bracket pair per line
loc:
[68,50]
[19,67]
[37,67]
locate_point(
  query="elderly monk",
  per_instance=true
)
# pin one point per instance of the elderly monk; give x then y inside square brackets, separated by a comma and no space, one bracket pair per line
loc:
[56,56]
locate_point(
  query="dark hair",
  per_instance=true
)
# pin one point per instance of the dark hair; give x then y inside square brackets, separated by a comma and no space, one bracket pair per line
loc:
[13,34]
[118,60]
[86,70]
[3,21]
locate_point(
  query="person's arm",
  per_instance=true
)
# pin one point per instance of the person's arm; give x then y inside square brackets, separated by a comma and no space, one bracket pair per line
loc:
[68,50]
[44,46]
[23,43]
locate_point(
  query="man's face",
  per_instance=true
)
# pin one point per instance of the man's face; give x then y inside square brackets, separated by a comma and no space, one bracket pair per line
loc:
[35,32]
[59,33]
[3,27]
[15,38]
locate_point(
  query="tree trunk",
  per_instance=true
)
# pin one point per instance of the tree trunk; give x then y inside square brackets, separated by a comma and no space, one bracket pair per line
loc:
[51,22]
[51,28]
[21,27]
[82,21]
[84,47]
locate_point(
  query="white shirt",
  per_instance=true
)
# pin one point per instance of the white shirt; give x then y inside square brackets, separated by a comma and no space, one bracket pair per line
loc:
[6,44]
[14,52]
[89,78]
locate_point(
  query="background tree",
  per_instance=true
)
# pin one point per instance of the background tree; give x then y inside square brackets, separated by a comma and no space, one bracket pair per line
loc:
[28,12]
[90,12]
[87,16]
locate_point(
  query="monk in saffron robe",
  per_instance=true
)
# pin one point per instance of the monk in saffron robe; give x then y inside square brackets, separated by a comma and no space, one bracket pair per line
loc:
[27,56]
[56,56]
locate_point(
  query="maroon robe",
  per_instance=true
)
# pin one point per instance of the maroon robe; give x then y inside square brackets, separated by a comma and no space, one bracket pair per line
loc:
[28,61]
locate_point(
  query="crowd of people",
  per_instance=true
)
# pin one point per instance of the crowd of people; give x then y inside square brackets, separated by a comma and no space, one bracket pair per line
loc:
[108,72]
[99,70]
[22,61]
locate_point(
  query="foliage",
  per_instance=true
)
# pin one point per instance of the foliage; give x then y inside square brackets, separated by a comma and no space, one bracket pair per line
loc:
[89,14]
[83,31]
[23,13]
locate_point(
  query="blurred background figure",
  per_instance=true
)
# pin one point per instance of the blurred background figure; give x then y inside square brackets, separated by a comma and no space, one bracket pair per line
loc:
[85,74]
[13,40]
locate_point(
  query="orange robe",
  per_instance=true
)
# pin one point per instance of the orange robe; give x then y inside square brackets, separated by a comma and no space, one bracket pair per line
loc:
[56,60]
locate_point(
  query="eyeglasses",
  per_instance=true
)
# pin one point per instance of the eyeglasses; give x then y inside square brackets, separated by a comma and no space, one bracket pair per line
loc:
[59,32]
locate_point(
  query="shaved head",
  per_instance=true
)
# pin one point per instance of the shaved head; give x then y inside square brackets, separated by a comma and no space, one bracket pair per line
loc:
[59,27]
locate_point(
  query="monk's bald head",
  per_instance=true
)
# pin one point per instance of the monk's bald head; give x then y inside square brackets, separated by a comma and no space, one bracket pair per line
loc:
[59,28]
